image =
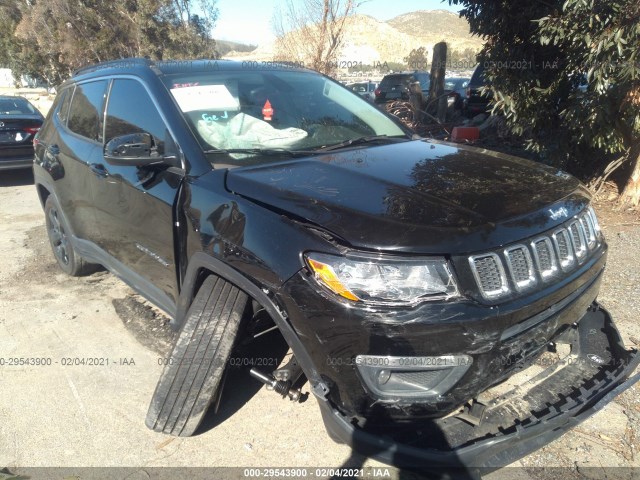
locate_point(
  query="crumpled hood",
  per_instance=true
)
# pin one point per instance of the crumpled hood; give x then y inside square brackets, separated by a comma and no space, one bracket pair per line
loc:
[418,196]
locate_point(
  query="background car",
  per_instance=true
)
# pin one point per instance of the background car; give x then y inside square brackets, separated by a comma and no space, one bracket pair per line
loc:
[19,123]
[456,88]
[477,102]
[364,89]
[395,86]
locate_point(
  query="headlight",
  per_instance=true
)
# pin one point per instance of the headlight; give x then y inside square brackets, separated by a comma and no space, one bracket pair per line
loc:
[383,280]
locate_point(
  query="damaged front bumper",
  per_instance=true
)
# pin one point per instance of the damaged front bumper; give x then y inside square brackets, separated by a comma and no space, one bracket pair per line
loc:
[502,425]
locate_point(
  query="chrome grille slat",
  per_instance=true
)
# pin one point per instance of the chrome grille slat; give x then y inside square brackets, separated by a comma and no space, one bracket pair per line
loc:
[545,258]
[589,230]
[548,257]
[594,221]
[577,239]
[565,251]
[520,266]
[489,273]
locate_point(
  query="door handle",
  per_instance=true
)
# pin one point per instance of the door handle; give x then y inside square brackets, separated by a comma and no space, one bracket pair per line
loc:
[99,170]
[53,150]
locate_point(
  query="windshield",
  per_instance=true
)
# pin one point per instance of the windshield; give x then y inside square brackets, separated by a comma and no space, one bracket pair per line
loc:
[289,111]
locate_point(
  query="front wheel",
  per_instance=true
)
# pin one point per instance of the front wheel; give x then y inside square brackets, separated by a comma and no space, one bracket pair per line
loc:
[193,378]
[59,238]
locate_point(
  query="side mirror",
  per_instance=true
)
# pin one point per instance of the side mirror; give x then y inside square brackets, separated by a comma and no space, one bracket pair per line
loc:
[136,149]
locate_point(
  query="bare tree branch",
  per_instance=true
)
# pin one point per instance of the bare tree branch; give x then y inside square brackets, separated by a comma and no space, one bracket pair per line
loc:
[312,32]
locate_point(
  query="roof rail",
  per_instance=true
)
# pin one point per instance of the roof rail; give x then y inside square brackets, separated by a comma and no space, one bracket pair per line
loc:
[121,62]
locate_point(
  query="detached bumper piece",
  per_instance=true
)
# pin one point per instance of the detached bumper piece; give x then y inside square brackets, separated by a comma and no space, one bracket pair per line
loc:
[507,421]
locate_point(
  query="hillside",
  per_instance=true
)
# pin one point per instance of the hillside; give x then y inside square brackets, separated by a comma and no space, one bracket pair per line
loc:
[433,26]
[368,40]
[224,47]
[433,23]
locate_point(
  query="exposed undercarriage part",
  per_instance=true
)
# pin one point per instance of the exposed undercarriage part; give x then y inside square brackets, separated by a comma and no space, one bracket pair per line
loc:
[282,380]
[279,386]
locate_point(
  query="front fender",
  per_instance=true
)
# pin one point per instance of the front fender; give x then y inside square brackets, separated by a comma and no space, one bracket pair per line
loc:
[201,262]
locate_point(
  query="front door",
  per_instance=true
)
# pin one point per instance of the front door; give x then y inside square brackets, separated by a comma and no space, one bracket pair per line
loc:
[135,205]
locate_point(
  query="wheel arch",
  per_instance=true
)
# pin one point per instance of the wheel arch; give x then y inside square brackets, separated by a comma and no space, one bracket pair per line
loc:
[202,265]
[43,193]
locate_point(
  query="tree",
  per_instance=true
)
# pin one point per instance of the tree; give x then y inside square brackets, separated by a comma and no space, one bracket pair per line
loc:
[461,59]
[602,39]
[50,39]
[535,56]
[417,59]
[312,32]
[9,18]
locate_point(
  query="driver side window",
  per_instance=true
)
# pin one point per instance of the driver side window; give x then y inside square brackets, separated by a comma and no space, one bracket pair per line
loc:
[131,110]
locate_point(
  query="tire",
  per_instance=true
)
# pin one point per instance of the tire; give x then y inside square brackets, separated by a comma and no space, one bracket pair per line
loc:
[190,381]
[60,239]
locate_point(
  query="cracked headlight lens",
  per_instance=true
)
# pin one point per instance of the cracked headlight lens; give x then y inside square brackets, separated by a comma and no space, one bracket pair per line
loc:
[383,279]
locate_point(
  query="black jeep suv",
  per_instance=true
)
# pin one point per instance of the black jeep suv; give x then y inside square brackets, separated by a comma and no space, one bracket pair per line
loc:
[411,279]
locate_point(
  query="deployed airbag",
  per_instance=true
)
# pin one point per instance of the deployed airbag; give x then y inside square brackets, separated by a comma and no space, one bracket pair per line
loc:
[245,131]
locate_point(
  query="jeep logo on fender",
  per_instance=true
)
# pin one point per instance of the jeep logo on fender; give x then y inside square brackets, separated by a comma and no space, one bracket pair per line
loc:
[558,214]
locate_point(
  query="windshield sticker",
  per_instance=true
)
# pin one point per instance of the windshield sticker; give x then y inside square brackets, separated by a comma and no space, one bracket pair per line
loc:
[183,85]
[267,111]
[214,118]
[205,97]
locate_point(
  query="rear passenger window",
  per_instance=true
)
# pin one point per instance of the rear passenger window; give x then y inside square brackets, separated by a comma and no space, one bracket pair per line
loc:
[131,110]
[86,106]
[63,110]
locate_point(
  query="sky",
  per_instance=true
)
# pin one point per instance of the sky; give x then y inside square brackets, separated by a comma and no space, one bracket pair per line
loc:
[249,21]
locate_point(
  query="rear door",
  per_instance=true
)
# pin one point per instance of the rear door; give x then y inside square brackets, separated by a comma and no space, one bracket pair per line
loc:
[69,142]
[134,205]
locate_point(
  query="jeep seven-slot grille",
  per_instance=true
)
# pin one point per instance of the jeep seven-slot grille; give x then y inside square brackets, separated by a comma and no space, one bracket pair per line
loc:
[523,266]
